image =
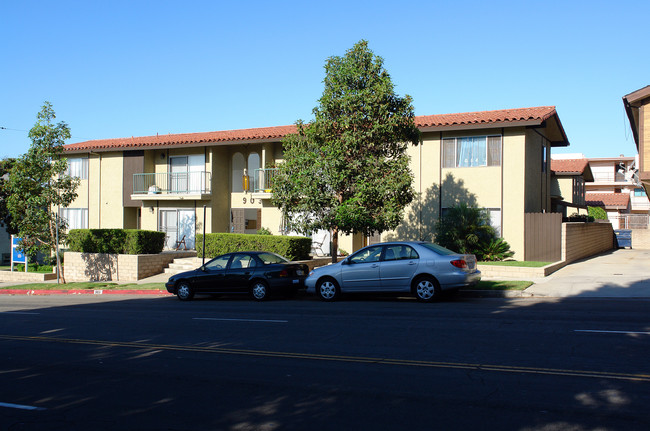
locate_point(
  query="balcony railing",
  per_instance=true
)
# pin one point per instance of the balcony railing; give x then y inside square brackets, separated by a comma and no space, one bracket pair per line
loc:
[611,177]
[263,180]
[174,183]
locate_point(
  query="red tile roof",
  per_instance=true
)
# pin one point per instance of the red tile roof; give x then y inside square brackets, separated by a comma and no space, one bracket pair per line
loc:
[608,200]
[536,115]
[569,165]
[258,134]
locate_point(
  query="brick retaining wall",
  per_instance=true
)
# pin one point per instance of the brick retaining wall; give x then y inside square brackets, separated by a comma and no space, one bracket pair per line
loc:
[580,240]
[641,239]
[117,267]
[34,277]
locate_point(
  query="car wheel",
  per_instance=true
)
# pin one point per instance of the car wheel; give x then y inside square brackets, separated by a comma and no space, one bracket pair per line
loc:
[184,291]
[328,289]
[427,289]
[260,290]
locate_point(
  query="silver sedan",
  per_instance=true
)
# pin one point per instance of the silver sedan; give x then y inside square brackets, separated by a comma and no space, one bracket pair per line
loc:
[422,268]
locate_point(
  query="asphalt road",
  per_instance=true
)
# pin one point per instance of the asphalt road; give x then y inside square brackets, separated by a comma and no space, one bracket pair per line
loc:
[368,363]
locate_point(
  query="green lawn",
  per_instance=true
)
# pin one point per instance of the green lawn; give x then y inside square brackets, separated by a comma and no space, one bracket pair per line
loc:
[501,285]
[87,286]
[526,264]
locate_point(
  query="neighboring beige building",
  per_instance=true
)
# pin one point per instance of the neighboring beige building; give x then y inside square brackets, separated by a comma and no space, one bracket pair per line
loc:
[611,183]
[568,185]
[638,112]
[498,160]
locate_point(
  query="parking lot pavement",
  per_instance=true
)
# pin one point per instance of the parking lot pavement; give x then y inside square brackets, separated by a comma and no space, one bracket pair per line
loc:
[623,273]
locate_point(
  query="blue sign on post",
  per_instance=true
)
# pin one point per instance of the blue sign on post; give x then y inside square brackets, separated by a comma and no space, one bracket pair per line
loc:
[17,256]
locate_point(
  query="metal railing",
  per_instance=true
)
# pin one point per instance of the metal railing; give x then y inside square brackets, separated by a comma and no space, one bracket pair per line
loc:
[172,183]
[614,177]
[263,180]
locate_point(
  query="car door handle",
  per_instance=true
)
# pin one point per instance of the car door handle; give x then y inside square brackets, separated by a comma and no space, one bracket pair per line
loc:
[411,263]
[374,265]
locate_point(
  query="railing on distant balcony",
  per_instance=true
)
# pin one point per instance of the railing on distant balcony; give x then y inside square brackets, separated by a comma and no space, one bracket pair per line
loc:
[611,177]
[172,183]
[263,180]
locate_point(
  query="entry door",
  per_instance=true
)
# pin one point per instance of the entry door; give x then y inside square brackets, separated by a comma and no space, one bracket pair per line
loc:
[178,175]
[187,226]
[177,223]
[169,225]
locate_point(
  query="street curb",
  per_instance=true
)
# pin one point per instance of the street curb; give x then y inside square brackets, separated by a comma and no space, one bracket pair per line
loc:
[84,292]
[497,294]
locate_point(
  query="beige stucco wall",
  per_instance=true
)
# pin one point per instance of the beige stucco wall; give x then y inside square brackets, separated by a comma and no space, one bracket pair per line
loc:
[565,187]
[514,190]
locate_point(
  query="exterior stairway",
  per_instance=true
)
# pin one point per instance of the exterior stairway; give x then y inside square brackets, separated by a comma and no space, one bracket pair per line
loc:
[183,264]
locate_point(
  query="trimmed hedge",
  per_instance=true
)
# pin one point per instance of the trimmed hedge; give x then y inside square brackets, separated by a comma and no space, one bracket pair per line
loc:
[116,241]
[291,247]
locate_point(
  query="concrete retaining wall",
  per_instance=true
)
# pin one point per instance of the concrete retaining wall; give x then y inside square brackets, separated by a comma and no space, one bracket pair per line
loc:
[117,267]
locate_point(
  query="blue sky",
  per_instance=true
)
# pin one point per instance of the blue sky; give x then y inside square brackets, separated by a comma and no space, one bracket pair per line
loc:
[135,68]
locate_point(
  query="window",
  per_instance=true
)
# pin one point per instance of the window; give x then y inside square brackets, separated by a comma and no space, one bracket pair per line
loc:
[77,218]
[370,254]
[78,167]
[544,160]
[218,263]
[471,151]
[400,252]
[639,192]
[495,219]
[242,261]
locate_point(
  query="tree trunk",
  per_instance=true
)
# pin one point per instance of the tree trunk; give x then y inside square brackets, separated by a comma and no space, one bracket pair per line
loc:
[335,244]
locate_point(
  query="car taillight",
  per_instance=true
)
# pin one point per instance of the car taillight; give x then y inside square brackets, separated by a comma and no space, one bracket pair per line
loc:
[284,273]
[459,263]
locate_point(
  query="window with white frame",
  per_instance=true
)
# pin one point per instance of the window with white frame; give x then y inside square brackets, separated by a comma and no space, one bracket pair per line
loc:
[471,151]
[77,218]
[78,167]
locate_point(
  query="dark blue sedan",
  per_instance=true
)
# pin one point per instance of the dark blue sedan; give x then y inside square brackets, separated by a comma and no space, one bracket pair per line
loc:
[257,273]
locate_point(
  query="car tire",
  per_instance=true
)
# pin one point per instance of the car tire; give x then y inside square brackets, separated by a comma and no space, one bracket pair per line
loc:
[184,291]
[260,290]
[426,289]
[328,290]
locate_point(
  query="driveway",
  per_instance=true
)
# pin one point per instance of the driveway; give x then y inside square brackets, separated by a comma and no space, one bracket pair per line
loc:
[623,273]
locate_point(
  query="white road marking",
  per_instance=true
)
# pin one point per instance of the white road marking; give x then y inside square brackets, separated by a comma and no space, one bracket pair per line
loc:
[240,320]
[611,332]
[20,406]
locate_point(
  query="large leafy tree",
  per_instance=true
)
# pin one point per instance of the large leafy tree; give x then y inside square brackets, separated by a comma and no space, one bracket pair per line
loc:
[38,186]
[347,171]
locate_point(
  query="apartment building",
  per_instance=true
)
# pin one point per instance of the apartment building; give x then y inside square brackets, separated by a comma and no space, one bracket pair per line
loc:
[498,160]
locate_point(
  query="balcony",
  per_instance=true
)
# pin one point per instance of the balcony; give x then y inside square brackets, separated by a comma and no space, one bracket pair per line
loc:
[263,183]
[615,177]
[172,186]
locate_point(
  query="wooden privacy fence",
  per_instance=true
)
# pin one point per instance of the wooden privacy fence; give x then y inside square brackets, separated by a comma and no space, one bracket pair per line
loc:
[543,237]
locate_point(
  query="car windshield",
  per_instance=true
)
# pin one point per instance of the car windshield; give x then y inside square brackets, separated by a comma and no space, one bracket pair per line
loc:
[437,248]
[269,258]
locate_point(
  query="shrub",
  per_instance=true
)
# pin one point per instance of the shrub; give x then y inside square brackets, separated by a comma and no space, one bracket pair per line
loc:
[264,231]
[463,228]
[291,247]
[116,241]
[497,249]
[597,213]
